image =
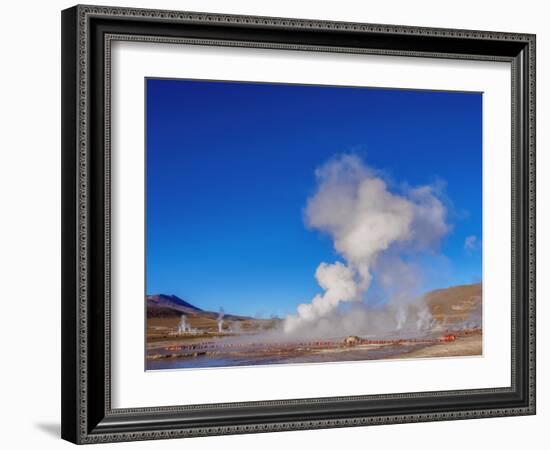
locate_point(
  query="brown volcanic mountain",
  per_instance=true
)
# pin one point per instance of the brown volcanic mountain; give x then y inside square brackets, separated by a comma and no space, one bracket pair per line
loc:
[162,305]
[456,305]
[164,312]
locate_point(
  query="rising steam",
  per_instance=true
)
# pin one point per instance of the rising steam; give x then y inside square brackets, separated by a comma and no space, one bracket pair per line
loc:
[370,228]
[184,326]
[221,315]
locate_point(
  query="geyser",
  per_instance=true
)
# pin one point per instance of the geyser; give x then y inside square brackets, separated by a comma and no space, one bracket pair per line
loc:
[370,226]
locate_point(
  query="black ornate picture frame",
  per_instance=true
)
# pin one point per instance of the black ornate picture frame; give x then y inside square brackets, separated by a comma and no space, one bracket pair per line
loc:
[87,35]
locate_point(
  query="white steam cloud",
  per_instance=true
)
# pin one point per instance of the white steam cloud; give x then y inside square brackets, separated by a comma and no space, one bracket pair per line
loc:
[184,327]
[369,226]
[471,243]
[221,315]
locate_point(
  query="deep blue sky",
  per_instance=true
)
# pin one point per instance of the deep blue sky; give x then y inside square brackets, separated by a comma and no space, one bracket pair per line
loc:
[230,167]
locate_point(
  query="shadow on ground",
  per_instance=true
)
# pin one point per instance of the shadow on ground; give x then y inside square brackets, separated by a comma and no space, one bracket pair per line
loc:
[53,429]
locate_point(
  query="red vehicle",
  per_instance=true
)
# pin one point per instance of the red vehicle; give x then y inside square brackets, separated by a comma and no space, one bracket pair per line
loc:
[448,338]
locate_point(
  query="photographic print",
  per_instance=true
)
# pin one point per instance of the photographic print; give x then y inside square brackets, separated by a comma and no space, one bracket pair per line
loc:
[246,194]
[298,224]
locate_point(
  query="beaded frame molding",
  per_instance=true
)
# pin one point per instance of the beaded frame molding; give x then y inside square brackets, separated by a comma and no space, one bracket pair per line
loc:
[87,35]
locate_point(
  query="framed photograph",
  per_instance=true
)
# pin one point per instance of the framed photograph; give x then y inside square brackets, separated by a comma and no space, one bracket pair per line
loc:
[277,224]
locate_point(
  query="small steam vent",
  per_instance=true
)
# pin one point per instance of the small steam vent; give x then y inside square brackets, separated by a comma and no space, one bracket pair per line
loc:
[352,340]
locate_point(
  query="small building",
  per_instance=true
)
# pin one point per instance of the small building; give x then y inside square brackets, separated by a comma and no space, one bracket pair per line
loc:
[352,340]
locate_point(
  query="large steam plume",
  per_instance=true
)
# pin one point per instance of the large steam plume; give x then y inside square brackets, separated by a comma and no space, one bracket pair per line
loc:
[370,226]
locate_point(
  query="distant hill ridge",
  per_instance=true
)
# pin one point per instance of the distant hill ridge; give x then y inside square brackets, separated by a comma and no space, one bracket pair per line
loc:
[452,305]
[170,301]
[162,305]
[456,304]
